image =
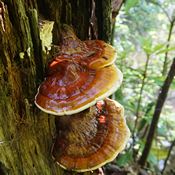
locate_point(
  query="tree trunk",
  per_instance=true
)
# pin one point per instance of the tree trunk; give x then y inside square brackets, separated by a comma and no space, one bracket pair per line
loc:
[159,105]
[26,133]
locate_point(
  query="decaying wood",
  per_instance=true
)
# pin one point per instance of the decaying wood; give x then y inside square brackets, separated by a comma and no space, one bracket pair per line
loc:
[26,133]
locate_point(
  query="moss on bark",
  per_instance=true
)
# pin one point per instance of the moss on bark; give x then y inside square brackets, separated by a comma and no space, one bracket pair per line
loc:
[26,133]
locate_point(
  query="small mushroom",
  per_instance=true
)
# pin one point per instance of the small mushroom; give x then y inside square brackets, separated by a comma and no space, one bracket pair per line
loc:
[71,87]
[92,138]
[95,53]
[100,54]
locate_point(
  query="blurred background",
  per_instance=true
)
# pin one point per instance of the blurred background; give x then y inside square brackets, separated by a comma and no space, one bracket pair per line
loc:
[144,36]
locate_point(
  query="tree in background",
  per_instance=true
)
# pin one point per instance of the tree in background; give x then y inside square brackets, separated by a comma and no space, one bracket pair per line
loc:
[144,40]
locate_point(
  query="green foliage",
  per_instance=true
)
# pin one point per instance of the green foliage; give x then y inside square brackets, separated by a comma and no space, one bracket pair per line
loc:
[130,3]
[125,159]
[159,153]
[152,159]
[141,32]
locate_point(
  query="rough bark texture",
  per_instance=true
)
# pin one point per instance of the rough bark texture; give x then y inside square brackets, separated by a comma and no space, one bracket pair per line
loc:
[26,133]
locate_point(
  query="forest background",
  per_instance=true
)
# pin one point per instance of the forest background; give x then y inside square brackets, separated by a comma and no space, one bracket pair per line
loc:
[145,40]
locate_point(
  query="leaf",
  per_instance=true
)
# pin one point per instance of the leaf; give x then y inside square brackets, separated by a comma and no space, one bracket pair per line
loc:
[146,44]
[119,95]
[160,153]
[173,85]
[158,47]
[129,4]
[142,124]
[124,159]
[166,50]
[162,130]
[158,80]
[152,159]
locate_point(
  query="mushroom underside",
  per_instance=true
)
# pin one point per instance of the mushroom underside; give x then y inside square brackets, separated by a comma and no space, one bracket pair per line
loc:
[92,138]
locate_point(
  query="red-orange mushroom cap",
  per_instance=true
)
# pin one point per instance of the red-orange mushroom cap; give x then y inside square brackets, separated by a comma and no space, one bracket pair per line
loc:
[81,74]
[71,87]
[100,54]
[95,53]
[92,138]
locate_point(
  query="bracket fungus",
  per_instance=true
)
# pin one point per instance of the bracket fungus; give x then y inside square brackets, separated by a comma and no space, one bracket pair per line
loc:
[95,53]
[92,138]
[72,87]
[81,74]
[90,132]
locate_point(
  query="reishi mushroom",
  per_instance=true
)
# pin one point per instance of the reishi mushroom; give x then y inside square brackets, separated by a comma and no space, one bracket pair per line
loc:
[80,75]
[96,53]
[92,138]
[90,132]
[71,87]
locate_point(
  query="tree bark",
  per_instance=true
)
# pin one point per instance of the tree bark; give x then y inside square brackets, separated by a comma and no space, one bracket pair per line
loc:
[160,102]
[26,133]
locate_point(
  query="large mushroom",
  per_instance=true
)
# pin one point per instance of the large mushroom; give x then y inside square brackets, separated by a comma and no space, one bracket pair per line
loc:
[80,75]
[71,87]
[92,138]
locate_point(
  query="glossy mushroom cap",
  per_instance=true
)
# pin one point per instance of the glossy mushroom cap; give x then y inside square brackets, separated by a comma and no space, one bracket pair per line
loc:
[95,53]
[80,75]
[100,54]
[92,138]
[71,87]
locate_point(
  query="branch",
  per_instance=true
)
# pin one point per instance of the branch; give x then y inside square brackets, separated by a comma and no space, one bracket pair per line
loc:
[140,99]
[167,46]
[167,158]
